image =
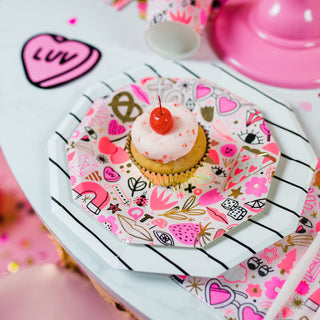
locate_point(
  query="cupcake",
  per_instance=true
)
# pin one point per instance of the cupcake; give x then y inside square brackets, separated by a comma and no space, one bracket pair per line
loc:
[167,144]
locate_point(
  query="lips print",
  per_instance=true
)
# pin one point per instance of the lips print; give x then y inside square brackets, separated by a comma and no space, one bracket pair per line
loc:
[51,60]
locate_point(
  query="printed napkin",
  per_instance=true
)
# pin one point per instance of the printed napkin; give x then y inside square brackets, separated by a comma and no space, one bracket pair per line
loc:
[248,290]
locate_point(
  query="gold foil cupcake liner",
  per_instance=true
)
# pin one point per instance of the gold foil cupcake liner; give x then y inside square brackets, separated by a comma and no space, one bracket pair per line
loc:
[168,180]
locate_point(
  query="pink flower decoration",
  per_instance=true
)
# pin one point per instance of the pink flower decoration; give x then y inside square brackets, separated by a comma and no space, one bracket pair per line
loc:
[273,287]
[109,223]
[180,17]
[302,288]
[254,290]
[256,186]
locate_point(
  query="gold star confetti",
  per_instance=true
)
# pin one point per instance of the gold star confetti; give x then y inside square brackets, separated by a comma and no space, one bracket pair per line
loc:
[235,193]
[314,214]
[195,284]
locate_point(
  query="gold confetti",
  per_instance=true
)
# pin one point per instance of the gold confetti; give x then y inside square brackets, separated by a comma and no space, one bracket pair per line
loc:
[13,267]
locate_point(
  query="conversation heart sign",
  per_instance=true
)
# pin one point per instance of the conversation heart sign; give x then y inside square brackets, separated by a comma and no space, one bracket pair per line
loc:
[51,60]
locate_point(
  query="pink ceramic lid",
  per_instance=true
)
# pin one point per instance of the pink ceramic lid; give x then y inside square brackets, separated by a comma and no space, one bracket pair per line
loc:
[273,41]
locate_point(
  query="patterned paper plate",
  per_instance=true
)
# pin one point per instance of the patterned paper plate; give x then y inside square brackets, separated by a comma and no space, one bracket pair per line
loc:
[229,188]
[93,120]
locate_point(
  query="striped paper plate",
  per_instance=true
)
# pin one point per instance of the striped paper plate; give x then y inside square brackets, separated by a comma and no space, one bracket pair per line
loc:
[283,206]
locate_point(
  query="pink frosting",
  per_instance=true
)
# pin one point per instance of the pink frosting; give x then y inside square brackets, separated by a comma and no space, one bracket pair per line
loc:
[172,145]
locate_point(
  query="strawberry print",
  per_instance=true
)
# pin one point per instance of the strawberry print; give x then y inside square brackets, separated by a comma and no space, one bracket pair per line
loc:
[185,233]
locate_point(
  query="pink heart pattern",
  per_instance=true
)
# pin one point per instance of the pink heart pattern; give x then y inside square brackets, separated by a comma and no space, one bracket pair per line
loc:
[116,128]
[106,146]
[217,294]
[227,106]
[248,311]
[51,60]
[119,156]
[110,174]
[202,91]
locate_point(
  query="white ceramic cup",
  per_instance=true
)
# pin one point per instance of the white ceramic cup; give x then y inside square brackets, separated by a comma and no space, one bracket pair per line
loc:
[174,28]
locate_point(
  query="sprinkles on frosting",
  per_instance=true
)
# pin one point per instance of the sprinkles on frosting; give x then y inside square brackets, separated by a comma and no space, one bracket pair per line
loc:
[174,144]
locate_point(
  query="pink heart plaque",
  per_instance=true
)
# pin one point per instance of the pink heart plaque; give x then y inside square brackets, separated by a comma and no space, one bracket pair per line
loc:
[52,60]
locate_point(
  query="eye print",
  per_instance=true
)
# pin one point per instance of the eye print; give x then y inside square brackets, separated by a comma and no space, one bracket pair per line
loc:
[254,263]
[250,137]
[219,172]
[306,222]
[91,132]
[264,270]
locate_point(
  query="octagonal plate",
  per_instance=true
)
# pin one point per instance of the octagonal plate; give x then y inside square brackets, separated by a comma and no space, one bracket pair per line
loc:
[229,188]
[283,203]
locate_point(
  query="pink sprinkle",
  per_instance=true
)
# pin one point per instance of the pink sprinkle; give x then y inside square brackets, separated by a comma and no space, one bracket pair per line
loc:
[43,255]
[4,238]
[73,21]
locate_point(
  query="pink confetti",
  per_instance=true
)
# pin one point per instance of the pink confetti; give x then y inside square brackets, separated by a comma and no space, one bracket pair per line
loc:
[73,21]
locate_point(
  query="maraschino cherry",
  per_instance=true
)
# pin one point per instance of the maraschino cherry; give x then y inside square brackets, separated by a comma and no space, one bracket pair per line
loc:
[160,119]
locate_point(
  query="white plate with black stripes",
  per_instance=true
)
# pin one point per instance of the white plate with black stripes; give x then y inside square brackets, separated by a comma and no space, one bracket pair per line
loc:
[283,206]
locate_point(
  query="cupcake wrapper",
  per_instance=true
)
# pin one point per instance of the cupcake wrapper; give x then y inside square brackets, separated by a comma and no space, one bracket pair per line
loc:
[167,180]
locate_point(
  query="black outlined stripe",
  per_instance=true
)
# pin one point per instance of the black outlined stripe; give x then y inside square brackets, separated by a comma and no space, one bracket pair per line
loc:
[266,227]
[106,246]
[251,86]
[86,96]
[107,85]
[298,161]
[177,279]
[72,114]
[153,69]
[239,242]
[284,128]
[288,182]
[187,69]
[214,259]
[56,164]
[167,259]
[283,207]
[129,76]
[118,139]
[61,136]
